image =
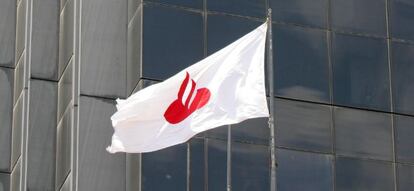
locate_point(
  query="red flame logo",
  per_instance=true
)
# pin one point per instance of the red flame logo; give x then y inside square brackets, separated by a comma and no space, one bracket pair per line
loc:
[180,110]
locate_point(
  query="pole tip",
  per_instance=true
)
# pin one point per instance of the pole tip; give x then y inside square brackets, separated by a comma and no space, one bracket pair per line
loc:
[269,13]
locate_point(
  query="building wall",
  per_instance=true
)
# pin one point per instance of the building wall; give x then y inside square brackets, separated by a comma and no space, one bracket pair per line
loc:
[343,79]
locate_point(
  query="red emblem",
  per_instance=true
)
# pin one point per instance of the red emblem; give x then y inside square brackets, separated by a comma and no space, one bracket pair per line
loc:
[179,110]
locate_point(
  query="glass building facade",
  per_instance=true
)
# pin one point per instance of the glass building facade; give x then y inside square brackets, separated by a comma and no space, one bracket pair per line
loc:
[343,80]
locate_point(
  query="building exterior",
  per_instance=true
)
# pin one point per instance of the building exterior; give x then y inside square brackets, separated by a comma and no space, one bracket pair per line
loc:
[344,89]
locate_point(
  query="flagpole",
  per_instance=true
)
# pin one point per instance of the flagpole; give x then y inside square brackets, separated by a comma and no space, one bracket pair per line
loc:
[273,186]
[228,158]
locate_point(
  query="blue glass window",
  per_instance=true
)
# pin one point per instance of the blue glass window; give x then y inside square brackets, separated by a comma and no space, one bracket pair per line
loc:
[223,30]
[312,13]
[176,35]
[360,72]
[165,169]
[404,133]
[301,69]
[362,133]
[251,131]
[250,167]
[359,16]
[402,18]
[197,164]
[254,8]
[311,132]
[304,171]
[405,177]
[217,164]
[402,77]
[363,175]
[198,4]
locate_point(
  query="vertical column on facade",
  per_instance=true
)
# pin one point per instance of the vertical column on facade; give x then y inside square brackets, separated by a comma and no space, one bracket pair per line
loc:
[99,77]
[42,64]
[7,65]
[18,97]
[134,60]
[65,104]
[35,95]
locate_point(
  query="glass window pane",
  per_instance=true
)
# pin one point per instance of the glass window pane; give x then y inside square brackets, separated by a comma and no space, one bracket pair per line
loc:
[363,175]
[175,34]
[165,169]
[363,134]
[254,8]
[402,77]
[301,58]
[360,72]
[218,133]
[359,16]
[405,177]
[223,30]
[198,4]
[311,132]
[251,131]
[303,12]
[402,18]
[217,164]
[404,134]
[299,170]
[249,167]
[197,164]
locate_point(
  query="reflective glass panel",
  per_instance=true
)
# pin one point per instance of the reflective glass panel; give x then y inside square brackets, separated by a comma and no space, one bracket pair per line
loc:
[172,41]
[402,77]
[303,125]
[402,18]
[165,169]
[301,63]
[299,170]
[360,72]
[303,12]
[254,8]
[405,177]
[362,133]
[359,16]
[250,167]
[404,138]
[363,175]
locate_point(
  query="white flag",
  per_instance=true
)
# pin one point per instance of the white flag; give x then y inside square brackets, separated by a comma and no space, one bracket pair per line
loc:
[224,88]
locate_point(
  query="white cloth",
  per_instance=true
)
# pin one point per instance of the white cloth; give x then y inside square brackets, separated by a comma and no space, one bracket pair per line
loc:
[227,88]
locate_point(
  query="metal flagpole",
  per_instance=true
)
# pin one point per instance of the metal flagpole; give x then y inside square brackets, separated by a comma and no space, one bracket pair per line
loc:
[228,158]
[273,186]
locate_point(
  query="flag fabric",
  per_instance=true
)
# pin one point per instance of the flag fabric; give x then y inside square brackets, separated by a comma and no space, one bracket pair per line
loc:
[225,88]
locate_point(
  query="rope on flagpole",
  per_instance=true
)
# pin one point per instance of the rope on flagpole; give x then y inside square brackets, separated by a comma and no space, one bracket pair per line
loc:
[273,186]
